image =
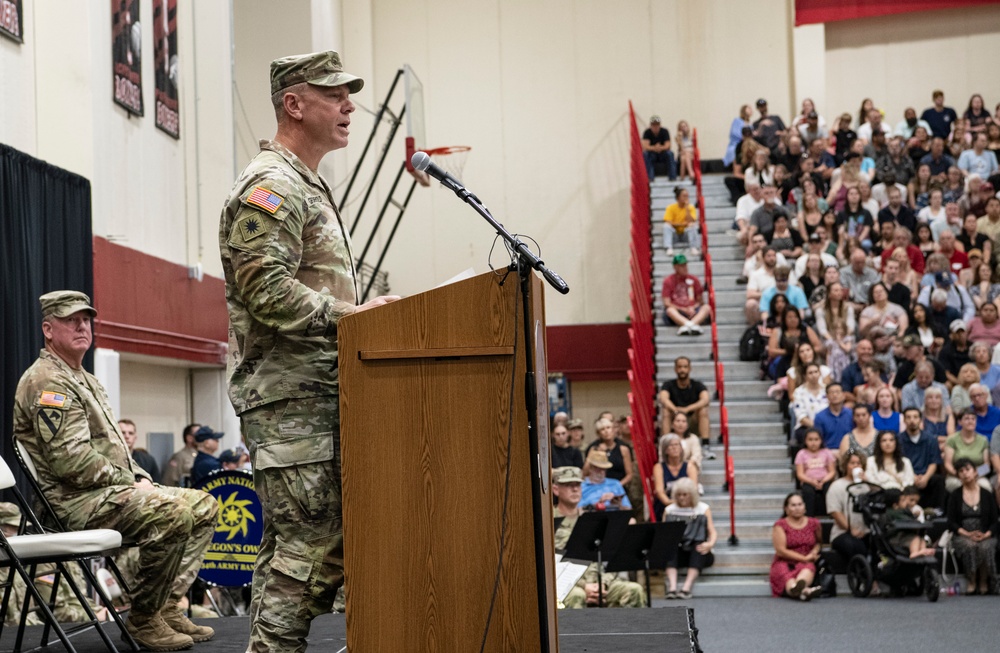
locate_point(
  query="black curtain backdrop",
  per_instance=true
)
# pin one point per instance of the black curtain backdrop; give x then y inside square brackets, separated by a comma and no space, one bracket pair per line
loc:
[46,244]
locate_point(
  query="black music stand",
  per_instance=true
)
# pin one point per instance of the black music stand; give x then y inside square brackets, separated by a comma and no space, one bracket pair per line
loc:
[646,546]
[596,536]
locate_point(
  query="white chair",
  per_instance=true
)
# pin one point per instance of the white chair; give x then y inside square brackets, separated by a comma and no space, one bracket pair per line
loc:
[22,553]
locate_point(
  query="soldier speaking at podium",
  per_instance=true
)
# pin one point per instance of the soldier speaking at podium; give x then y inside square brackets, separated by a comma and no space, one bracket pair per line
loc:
[290,277]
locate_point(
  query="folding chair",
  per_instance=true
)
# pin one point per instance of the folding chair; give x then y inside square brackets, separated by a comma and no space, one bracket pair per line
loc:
[52,519]
[23,553]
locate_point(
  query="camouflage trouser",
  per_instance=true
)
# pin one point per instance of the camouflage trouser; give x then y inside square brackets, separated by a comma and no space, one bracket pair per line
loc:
[173,527]
[620,594]
[300,563]
[67,608]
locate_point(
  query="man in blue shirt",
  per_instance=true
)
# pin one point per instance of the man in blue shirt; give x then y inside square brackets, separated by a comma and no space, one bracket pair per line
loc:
[599,491]
[939,117]
[835,421]
[987,416]
[925,455]
[937,160]
[795,295]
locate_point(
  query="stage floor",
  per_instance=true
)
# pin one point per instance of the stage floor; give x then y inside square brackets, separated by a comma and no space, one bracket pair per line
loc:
[664,630]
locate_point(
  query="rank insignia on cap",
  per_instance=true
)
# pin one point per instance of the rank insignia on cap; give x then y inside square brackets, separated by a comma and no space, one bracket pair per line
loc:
[251,227]
[55,399]
[265,199]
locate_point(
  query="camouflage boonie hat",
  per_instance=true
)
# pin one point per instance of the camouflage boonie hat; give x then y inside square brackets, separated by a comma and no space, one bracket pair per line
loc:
[63,303]
[10,515]
[563,475]
[319,68]
[574,424]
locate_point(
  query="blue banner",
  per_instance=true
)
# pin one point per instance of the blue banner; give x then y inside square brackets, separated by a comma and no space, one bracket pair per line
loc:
[230,558]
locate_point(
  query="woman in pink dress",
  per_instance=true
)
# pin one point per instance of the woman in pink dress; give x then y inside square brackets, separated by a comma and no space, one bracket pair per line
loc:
[796,549]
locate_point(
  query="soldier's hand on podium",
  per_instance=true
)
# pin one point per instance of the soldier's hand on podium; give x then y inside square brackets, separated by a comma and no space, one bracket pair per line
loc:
[381,300]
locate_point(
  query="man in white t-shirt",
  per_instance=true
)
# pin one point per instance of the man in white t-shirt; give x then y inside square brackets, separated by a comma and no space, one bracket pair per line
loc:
[874,122]
[760,280]
[745,206]
[755,258]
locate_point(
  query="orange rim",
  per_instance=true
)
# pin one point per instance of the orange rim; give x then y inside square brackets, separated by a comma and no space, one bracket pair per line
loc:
[451,149]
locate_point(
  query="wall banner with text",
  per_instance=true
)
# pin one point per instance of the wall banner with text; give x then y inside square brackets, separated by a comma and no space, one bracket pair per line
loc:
[126,54]
[168,117]
[11,24]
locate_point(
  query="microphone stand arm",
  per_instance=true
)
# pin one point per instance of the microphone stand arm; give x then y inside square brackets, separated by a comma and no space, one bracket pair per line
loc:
[526,257]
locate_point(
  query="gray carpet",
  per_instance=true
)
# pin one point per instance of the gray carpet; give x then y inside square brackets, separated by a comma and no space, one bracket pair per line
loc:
[846,624]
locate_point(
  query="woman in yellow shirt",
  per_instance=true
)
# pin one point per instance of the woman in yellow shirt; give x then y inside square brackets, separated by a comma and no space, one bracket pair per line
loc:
[680,218]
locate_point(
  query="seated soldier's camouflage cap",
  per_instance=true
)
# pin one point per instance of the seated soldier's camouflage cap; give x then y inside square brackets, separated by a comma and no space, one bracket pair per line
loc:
[563,475]
[63,303]
[319,68]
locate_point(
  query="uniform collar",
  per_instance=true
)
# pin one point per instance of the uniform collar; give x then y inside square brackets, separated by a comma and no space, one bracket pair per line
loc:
[294,161]
[48,355]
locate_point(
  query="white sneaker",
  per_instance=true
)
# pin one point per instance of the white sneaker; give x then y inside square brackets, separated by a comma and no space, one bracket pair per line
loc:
[695,251]
[670,251]
[695,329]
[684,330]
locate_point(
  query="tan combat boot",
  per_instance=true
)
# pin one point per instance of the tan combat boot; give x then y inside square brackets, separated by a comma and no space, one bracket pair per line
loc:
[151,632]
[176,619]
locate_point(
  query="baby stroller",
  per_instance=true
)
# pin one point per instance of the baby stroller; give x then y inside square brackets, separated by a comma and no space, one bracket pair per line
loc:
[885,562]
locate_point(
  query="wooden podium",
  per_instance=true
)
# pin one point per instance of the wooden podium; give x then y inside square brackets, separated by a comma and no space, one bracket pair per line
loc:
[429,387]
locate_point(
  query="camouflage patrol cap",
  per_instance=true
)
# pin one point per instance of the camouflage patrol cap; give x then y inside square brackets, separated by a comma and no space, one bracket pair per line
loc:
[10,515]
[574,424]
[63,303]
[319,68]
[563,475]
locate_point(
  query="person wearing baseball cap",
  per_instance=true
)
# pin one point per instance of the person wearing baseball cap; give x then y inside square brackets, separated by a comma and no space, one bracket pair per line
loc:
[683,300]
[656,149]
[914,354]
[618,593]
[290,275]
[768,130]
[63,419]
[955,352]
[205,462]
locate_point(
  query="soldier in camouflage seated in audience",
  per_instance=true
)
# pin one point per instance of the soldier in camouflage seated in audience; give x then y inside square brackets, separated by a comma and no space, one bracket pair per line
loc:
[618,593]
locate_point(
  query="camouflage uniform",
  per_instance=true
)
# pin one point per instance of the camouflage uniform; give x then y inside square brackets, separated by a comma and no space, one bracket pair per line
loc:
[290,277]
[620,593]
[63,419]
[178,467]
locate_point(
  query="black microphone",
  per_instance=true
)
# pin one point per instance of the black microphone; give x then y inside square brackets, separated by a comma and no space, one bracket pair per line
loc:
[422,163]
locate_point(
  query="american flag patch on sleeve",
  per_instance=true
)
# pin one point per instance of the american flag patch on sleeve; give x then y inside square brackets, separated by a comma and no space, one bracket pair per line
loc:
[265,199]
[54,399]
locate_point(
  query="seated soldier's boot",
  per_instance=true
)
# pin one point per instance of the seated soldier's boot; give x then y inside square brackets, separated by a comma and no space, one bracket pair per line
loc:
[152,633]
[177,620]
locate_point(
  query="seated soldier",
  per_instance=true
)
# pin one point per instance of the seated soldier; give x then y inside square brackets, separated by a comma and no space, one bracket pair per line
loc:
[205,462]
[618,593]
[63,420]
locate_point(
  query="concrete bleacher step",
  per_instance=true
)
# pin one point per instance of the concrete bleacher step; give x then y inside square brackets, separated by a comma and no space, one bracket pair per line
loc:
[757,434]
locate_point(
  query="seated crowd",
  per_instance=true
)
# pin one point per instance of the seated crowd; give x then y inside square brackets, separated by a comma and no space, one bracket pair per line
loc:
[603,476]
[873,291]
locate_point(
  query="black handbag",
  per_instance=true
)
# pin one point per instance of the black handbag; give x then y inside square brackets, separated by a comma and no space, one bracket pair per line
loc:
[695,533]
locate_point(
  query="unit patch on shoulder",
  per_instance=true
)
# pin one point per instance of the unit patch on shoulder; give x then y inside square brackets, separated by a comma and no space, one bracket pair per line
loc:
[251,227]
[49,421]
[265,199]
[54,399]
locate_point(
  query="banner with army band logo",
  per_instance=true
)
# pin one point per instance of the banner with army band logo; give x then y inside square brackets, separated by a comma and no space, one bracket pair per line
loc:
[11,25]
[230,558]
[126,54]
[166,66]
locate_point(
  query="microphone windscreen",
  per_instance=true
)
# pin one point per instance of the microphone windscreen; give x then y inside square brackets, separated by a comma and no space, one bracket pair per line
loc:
[420,161]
